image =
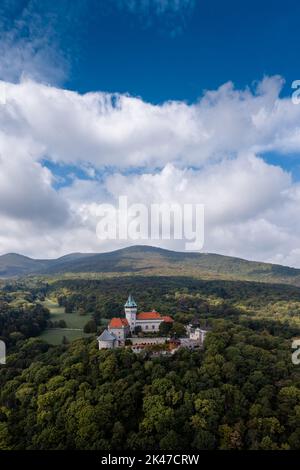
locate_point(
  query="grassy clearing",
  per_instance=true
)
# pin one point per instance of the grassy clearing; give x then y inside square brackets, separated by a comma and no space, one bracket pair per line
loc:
[55,336]
[74,322]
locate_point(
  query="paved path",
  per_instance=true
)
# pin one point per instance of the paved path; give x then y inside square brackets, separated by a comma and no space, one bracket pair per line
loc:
[66,329]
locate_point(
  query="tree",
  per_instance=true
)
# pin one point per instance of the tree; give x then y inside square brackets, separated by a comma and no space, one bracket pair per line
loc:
[177,330]
[65,340]
[230,437]
[90,327]
[4,437]
[165,328]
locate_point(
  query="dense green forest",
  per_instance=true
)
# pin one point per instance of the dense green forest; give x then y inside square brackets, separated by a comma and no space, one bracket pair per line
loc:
[271,306]
[241,391]
[17,323]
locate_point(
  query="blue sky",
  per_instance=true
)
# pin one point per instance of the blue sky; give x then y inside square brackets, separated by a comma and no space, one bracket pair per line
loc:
[174,52]
[219,41]
[201,109]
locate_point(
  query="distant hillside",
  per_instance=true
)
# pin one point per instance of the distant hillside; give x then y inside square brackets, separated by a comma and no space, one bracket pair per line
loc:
[13,264]
[151,261]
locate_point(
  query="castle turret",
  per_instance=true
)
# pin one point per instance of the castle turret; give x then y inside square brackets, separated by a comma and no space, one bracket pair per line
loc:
[130,312]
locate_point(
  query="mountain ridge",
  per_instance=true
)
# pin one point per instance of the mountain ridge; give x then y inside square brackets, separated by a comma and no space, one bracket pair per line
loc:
[150,260]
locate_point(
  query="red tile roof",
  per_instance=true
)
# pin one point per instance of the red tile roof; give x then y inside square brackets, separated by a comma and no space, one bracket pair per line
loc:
[118,323]
[148,316]
[167,319]
[122,322]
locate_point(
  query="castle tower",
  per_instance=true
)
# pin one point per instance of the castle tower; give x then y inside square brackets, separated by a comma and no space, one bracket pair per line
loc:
[130,311]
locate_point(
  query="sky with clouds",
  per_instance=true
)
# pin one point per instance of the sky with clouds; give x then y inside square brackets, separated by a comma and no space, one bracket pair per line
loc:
[88,116]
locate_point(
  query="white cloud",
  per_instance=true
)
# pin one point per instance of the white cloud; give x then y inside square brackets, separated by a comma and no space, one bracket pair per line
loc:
[26,191]
[209,152]
[252,208]
[123,131]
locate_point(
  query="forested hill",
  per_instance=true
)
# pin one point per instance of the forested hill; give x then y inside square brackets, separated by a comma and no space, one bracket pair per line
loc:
[151,261]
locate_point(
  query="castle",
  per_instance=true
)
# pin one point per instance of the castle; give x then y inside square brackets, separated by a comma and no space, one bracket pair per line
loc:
[120,328]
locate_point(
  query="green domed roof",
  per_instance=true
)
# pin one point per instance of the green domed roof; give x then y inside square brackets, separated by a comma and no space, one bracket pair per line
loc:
[130,302]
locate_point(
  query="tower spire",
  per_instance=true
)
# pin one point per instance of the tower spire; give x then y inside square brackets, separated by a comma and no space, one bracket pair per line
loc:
[130,302]
[130,312]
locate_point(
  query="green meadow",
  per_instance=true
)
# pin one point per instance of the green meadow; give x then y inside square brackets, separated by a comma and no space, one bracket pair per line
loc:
[55,335]
[75,324]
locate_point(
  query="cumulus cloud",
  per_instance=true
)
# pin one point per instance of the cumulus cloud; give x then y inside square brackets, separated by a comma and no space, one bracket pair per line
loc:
[26,187]
[120,130]
[210,152]
[251,208]
[226,188]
